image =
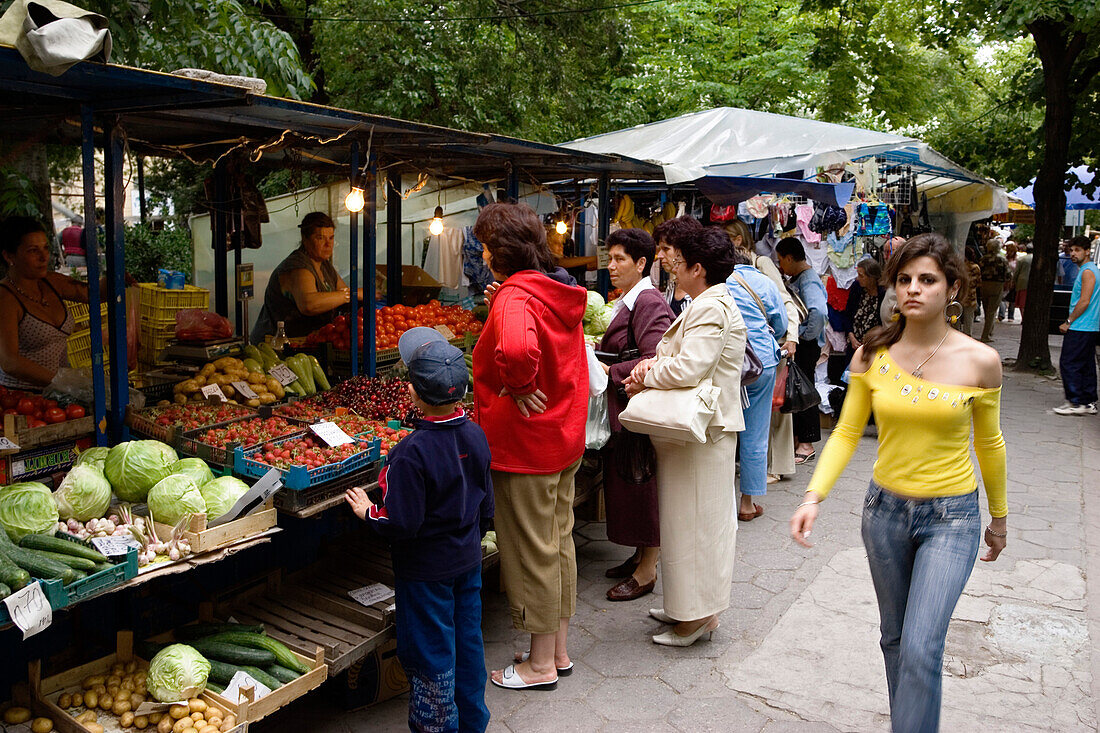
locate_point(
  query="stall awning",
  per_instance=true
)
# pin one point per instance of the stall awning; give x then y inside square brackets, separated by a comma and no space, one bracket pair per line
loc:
[1075,197]
[731,190]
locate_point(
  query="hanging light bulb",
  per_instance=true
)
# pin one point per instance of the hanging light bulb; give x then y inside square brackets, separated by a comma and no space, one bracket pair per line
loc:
[436,227]
[354,201]
[561,227]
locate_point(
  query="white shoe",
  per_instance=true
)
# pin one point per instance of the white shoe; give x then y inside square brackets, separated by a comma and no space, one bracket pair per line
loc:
[671,638]
[1071,409]
[660,615]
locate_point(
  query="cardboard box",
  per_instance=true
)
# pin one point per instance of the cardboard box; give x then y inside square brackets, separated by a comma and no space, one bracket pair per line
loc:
[375,678]
[417,286]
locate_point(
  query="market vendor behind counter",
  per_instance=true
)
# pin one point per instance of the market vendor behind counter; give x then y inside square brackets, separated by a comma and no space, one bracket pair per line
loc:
[304,291]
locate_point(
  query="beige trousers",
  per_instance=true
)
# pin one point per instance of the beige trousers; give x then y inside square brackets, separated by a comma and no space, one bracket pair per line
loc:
[698,511]
[781,445]
[538,561]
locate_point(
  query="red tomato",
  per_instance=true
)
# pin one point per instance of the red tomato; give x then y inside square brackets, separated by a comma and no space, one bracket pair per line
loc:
[34,422]
[55,415]
[74,411]
[51,404]
[9,400]
[39,402]
[25,406]
[11,411]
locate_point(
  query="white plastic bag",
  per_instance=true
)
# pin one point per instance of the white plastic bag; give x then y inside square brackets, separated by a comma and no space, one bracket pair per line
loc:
[597,377]
[597,431]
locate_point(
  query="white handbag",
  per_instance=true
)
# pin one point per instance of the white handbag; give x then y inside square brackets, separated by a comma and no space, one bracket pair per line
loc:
[681,414]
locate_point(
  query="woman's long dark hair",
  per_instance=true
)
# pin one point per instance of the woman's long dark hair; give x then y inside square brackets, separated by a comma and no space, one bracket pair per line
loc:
[950,263]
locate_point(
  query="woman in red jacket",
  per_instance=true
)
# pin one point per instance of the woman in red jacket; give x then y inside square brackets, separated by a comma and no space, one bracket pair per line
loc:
[531,389]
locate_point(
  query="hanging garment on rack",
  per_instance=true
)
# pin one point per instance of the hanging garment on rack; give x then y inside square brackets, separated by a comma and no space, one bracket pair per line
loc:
[827,218]
[765,246]
[873,220]
[472,265]
[841,250]
[803,214]
[817,255]
[844,276]
[866,175]
[451,247]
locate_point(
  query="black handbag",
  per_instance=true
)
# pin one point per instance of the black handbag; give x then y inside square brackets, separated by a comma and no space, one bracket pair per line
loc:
[800,393]
[632,457]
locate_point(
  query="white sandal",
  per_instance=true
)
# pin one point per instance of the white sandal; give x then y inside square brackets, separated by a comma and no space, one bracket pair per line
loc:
[510,680]
[562,671]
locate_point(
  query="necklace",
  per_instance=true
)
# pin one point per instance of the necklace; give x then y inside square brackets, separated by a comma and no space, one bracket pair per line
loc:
[41,300]
[918,372]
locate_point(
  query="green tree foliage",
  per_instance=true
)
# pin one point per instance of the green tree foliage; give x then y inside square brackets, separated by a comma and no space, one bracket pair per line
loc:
[148,251]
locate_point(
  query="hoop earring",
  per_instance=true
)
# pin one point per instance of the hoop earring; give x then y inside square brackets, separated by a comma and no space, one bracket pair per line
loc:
[950,317]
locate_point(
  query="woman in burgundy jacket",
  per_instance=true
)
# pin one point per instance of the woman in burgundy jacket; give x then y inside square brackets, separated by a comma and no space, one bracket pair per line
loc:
[641,317]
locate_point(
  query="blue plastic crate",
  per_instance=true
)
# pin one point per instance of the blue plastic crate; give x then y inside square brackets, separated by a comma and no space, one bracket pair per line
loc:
[299,477]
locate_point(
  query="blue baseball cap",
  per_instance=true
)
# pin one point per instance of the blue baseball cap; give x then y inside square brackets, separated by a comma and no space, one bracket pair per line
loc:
[437,369]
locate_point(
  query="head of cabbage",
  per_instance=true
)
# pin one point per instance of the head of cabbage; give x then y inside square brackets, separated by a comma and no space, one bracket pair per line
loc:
[173,497]
[221,494]
[27,508]
[177,672]
[83,494]
[594,304]
[92,457]
[599,321]
[196,468]
[136,466]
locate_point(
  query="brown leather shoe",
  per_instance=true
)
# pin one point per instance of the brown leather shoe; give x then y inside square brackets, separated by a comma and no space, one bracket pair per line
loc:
[625,570]
[629,589]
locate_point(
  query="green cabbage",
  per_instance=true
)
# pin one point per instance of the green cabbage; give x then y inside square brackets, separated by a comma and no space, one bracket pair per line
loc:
[595,303]
[27,508]
[599,321]
[221,494]
[83,494]
[93,456]
[176,673]
[135,466]
[173,497]
[196,468]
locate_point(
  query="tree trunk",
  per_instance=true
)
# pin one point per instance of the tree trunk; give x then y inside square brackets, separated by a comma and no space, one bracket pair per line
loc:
[1049,192]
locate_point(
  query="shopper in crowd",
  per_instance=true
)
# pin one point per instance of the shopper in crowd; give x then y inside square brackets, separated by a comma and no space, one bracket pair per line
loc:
[671,235]
[1067,268]
[761,307]
[437,503]
[72,244]
[994,278]
[1021,278]
[806,284]
[970,292]
[694,487]
[1078,360]
[531,390]
[868,299]
[640,317]
[781,434]
[927,385]
[1007,306]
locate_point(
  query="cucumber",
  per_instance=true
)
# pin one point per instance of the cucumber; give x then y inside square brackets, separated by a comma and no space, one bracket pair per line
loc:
[203,630]
[100,566]
[77,563]
[319,377]
[39,565]
[221,671]
[263,677]
[77,575]
[214,686]
[65,547]
[282,654]
[281,673]
[231,653]
[11,574]
[5,591]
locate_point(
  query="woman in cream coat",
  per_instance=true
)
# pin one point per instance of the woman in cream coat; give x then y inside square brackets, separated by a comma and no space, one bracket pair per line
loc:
[696,501]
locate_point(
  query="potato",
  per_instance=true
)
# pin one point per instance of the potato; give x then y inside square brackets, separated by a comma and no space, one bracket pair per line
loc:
[178,711]
[188,386]
[197,716]
[126,719]
[141,722]
[209,728]
[113,680]
[155,718]
[78,699]
[229,723]
[182,724]
[195,705]
[99,690]
[88,716]
[113,690]
[164,403]
[229,390]
[94,727]
[256,378]
[275,388]
[127,684]
[226,362]
[92,681]
[190,729]
[165,725]
[130,667]
[180,399]
[253,403]
[121,706]
[91,699]
[17,715]
[41,725]
[200,379]
[215,719]
[106,702]
[65,701]
[207,369]
[136,700]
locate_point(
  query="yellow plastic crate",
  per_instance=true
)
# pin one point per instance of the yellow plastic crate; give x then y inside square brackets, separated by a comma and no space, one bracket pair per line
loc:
[160,304]
[154,339]
[80,348]
[80,313]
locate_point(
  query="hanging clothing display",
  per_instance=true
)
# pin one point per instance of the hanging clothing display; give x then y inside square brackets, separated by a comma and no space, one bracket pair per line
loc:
[803,214]
[450,246]
[873,220]
[472,265]
[841,250]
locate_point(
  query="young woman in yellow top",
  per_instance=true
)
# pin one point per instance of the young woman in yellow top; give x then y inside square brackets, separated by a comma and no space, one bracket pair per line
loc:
[927,384]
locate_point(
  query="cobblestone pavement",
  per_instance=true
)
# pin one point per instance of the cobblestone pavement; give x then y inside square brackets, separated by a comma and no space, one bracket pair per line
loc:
[798,648]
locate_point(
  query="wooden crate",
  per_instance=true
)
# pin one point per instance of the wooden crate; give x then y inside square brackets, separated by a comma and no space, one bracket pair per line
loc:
[46,691]
[17,431]
[249,710]
[204,539]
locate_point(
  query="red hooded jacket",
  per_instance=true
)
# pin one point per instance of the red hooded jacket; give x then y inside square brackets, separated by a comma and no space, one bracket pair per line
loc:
[533,340]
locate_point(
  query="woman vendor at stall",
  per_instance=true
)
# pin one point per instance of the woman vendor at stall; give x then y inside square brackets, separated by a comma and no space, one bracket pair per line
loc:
[304,291]
[35,325]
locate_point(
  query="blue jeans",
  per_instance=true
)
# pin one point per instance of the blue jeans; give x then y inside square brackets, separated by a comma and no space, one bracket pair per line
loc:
[1078,366]
[753,441]
[439,645]
[921,554]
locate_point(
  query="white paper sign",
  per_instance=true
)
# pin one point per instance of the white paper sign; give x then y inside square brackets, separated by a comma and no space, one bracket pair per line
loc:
[6,444]
[114,546]
[243,679]
[445,331]
[368,595]
[253,499]
[283,373]
[152,706]
[244,390]
[213,390]
[331,433]
[29,609]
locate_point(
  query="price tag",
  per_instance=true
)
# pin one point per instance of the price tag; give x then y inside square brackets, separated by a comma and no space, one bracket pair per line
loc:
[368,595]
[115,546]
[331,433]
[244,390]
[603,257]
[447,333]
[243,679]
[253,499]
[283,373]
[213,390]
[6,444]
[29,609]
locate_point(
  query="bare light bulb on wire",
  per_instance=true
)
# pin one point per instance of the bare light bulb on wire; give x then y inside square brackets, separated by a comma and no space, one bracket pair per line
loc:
[561,227]
[436,227]
[354,201]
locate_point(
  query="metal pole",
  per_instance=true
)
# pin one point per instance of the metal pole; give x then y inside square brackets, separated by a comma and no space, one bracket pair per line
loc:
[116,281]
[141,187]
[353,242]
[221,235]
[91,251]
[370,259]
[603,281]
[238,309]
[393,240]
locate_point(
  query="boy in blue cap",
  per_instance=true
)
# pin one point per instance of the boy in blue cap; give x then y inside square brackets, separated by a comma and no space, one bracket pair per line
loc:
[437,500]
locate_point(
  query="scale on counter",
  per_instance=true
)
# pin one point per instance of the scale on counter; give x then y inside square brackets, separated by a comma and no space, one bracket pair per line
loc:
[203,352]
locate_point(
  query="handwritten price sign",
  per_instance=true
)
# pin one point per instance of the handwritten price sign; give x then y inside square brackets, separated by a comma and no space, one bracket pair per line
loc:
[29,609]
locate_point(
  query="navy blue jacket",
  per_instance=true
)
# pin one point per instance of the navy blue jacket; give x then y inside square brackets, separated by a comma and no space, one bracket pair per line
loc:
[438,497]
